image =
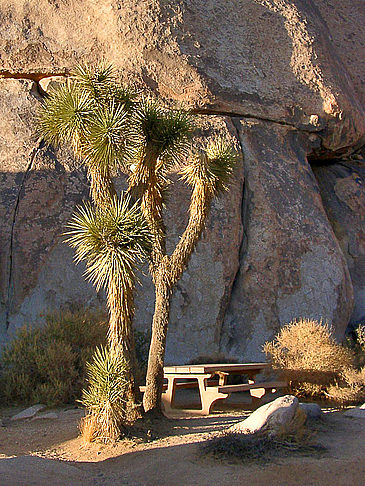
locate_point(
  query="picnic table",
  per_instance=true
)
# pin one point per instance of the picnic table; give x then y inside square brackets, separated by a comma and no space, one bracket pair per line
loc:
[211,379]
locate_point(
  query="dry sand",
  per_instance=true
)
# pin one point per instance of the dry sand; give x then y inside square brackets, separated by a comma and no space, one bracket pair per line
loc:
[50,453]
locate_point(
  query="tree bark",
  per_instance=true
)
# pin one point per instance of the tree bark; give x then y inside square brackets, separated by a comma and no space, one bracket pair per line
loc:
[156,358]
[121,340]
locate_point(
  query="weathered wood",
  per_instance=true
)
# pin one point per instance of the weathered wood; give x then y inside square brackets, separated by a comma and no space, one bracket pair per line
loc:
[251,386]
[211,368]
[211,379]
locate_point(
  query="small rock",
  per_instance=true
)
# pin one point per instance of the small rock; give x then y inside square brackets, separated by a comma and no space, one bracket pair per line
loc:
[46,415]
[274,415]
[51,82]
[357,412]
[28,412]
[311,409]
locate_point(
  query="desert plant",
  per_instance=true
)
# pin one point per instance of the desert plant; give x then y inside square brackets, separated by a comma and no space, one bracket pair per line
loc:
[106,396]
[48,363]
[110,129]
[349,388]
[112,240]
[208,173]
[258,447]
[309,357]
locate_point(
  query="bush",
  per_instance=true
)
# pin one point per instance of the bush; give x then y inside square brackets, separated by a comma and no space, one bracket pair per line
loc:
[257,447]
[47,364]
[309,358]
[105,397]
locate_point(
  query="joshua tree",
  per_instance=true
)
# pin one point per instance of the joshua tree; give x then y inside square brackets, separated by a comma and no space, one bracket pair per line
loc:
[90,113]
[111,129]
[112,240]
[208,173]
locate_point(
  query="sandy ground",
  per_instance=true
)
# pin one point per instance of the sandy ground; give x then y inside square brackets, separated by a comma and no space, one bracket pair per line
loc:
[50,453]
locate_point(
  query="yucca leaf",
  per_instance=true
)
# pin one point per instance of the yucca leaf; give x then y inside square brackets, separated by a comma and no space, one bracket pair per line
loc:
[109,138]
[64,115]
[112,241]
[213,167]
[164,132]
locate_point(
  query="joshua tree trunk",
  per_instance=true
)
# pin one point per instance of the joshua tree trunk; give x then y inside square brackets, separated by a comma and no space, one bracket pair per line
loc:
[166,276]
[121,339]
[102,188]
[154,378]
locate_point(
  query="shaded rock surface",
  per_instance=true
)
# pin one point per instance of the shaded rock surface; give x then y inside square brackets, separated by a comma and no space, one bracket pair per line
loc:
[291,263]
[295,67]
[271,417]
[342,188]
[312,410]
[357,412]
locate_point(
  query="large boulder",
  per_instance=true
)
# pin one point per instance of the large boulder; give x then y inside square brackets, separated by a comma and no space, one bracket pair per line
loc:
[282,414]
[294,68]
[291,263]
[342,188]
[272,59]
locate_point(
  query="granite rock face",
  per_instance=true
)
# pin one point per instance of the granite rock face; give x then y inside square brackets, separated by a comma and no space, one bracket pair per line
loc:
[342,188]
[291,264]
[275,59]
[285,78]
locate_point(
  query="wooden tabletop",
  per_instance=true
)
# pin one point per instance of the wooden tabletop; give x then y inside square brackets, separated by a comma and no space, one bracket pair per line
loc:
[211,368]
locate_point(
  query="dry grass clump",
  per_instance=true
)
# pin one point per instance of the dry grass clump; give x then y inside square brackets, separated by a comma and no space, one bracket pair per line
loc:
[314,364]
[258,447]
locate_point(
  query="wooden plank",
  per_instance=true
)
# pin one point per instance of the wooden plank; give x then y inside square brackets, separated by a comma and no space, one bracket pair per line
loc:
[183,385]
[209,368]
[251,386]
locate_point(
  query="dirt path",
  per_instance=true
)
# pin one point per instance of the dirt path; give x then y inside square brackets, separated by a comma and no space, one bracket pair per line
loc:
[49,453]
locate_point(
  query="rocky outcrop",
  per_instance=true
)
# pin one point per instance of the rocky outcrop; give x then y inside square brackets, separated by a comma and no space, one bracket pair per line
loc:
[283,77]
[342,188]
[291,264]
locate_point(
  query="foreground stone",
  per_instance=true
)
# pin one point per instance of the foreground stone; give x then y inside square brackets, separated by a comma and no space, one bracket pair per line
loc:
[272,417]
[312,410]
[28,412]
[45,416]
[357,412]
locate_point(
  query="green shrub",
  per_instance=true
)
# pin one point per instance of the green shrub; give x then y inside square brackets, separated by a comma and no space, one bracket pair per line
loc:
[47,364]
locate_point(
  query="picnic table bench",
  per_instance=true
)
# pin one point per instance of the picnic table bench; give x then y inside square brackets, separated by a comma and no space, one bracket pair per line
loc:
[211,379]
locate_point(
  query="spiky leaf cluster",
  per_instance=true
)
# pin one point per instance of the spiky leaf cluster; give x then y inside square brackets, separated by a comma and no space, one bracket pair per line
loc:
[100,83]
[93,113]
[107,381]
[112,241]
[64,115]
[165,133]
[109,139]
[213,167]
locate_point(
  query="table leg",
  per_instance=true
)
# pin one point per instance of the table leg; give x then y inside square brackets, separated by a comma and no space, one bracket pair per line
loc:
[256,393]
[168,397]
[208,395]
